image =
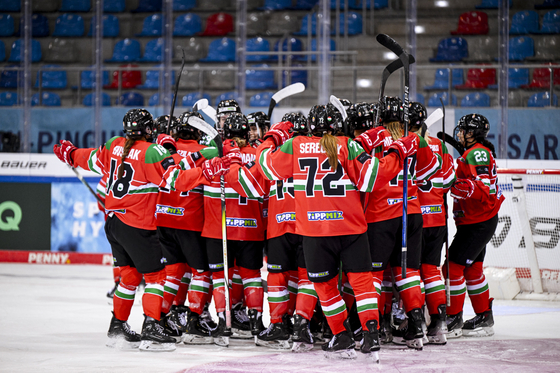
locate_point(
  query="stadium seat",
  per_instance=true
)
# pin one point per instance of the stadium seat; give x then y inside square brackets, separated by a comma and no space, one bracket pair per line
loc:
[191,98]
[276,4]
[289,44]
[434,99]
[183,5]
[221,50]
[61,50]
[90,99]
[304,29]
[524,22]
[126,50]
[472,23]
[129,79]
[45,99]
[548,4]
[547,48]
[2,51]
[520,48]
[281,23]
[16,54]
[259,79]
[6,25]
[478,79]
[542,99]
[87,79]
[71,25]
[354,22]
[52,79]
[9,78]
[153,51]
[551,23]
[477,99]
[130,99]
[482,49]
[304,4]
[191,78]
[256,24]
[39,26]
[541,79]
[295,76]
[214,5]
[194,50]
[258,44]
[148,6]
[111,28]
[187,25]
[451,50]
[377,4]
[9,99]
[152,79]
[441,80]
[155,100]
[420,98]
[152,26]
[314,48]
[113,6]
[517,78]
[218,24]
[225,96]
[261,99]
[10,5]
[220,78]
[491,4]
[75,6]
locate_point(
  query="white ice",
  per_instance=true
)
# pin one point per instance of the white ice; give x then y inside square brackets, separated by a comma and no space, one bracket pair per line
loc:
[55,318]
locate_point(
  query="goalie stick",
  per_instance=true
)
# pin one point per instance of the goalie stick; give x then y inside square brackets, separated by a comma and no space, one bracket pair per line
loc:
[176,91]
[447,280]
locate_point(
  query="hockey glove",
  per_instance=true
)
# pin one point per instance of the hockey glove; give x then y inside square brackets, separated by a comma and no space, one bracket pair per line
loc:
[371,139]
[462,189]
[279,133]
[405,146]
[215,167]
[64,152]
[232,151]
[167,142]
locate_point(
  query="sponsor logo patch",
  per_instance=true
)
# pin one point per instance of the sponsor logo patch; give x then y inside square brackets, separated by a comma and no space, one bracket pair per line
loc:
[274,266]
[324,215]
[377,264]
[394,201]
[362,158]
[170,210]
[433,209]
[169,161]
[469,261]
[241,223]
[286,216]
[216,266]
[319,274]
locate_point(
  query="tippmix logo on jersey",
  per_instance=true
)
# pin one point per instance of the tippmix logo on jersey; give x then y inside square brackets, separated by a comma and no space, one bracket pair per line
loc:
[394,201]
[285,217]
[432,209]
[241,223]
[170,210]
[324,215]
[318,274]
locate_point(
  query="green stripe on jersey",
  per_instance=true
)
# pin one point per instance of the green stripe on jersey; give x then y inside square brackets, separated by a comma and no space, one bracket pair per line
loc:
[156,153]
[288,147]
[354,149]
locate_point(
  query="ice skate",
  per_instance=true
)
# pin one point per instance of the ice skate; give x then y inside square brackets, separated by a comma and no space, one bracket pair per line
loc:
[481,325]
[177,317]
[170,327]
[121,336]
[301,337]
[455,325]
[385,330]
[240,326]
[220,334]
[370,341]
[153,337]
[255,321]
[414,335]
[196,333]
[275,336]
[341,346]
[206,320]
[438,327]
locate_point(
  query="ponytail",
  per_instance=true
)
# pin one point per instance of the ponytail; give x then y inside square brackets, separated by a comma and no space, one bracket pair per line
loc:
[127,146]
[487,144]
[395,129]
[240,142]
[330,144]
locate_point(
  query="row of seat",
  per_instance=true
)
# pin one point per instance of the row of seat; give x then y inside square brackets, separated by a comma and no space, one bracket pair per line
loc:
[480,99]
[522,22]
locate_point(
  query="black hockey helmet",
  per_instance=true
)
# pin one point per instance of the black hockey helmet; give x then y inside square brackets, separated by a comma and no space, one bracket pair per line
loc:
[337,115]
[236,125]
[160,124]
[392,110]
[138,122]
[259,119]
[183,126]
[475,123]
[345,103]
[227,107]
[322,119]
[417,115]
[299,121]
[360,116]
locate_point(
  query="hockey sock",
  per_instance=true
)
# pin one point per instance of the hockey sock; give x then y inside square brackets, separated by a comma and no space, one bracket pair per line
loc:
[292,290]
[116,274]
[306,296]
[124,295]
[434,287]
[477,287]
[278,295]
[181,296]
[174,273]
[348,293]
[409,288]
[199,291]
[236,287]
[218,284]
[386,298]
[252,288]
[422,292]
[153,294]
[332,304]
[366,296]
[458,288]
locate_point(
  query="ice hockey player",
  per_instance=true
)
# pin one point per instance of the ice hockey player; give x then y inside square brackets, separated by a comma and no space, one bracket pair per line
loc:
[224,109]
[259,124]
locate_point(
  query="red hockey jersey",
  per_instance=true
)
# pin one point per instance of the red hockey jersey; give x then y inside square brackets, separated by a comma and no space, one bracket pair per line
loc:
[478,165]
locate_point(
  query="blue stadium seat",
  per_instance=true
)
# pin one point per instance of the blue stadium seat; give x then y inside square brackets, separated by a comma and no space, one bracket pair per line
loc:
[258,44]
[261,99]
[420,99]
[491,4]
[52,79]
[377,4]
[87,79]
[542,99]
[187,25]
[451,50]
[296,76]
[441,80]
[75,6]
[130,99]
[2,51]
[90,99]
[289,43]
[354,21]
[314,47]
[259,79]
[520,48]
[276,4]
[434,99]
[153,51]
[155,100]
[304,4]
[548,4]
[148,6]
[304,29]
[152,26]
[9,78]
[225,96]
[551,23]
[221,50]
[10,6]
[113,6]
[183,5]
[517,77]
[16,54]
[190,98]
[111,28]
[71,25]
[524,22]
[152,79]
[39,26]
[126,50]
[6,25]
[48,99]
[9,99]
[476,99]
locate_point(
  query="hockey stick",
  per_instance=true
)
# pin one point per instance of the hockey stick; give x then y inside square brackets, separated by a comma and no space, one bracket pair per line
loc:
[451,141]
[202,105]
[434,117]
[288,91]
[338,105]
[176,91]
[447,280]
[81,178]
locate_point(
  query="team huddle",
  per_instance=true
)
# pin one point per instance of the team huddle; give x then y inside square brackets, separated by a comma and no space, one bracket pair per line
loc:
[321,199]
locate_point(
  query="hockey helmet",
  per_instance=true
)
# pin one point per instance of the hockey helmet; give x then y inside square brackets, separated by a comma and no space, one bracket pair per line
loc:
[299,121]
[392,110]
[227,107]
[345,103]
[476,124]
[417,115]
[236,125]
[322,119]
[259,119]
[138,122]
[184,128]
[160,124]
[360,116]
[337,115]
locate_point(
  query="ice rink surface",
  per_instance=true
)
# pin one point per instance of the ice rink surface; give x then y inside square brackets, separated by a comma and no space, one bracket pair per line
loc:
[55,319]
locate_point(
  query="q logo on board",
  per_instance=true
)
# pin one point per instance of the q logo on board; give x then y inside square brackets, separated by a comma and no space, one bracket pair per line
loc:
[10,223]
